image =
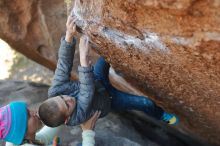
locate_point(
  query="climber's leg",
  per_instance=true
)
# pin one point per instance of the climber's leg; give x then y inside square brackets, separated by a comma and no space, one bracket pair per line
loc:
[125,101]
[101,70]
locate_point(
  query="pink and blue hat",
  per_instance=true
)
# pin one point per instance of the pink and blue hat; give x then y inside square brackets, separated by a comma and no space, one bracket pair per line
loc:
[13,122]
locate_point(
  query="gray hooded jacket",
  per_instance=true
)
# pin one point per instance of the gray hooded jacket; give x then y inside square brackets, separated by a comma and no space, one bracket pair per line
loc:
[90,94]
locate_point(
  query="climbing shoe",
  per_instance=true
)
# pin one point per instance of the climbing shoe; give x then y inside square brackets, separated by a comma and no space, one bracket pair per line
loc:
[170,119]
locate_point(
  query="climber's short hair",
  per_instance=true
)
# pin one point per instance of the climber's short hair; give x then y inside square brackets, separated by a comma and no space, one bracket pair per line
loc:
[47,116]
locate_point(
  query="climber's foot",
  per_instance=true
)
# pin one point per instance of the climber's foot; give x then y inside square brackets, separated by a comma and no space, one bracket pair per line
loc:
[170,119]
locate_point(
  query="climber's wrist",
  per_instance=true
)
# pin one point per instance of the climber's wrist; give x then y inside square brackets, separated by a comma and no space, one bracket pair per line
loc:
[69,37]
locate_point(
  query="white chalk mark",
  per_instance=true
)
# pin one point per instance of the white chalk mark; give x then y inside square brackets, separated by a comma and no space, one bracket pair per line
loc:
[151,40]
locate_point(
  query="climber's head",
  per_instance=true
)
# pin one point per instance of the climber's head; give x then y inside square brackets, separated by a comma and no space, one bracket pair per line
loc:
[18,123]
[56,110]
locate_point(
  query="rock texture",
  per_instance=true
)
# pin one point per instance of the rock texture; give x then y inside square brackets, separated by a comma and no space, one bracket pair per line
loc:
[167,49]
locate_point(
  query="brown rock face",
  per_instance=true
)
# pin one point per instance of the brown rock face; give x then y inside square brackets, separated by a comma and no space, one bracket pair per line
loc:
[33,27]
[168,49]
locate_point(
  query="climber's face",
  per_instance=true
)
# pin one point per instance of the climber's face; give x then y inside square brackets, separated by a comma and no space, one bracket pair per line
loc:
[65,103]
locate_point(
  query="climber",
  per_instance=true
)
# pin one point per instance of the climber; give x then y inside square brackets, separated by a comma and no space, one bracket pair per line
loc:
[73,102]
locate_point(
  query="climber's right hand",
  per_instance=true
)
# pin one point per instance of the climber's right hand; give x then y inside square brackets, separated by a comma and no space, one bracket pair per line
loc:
[70,28]
[84,51]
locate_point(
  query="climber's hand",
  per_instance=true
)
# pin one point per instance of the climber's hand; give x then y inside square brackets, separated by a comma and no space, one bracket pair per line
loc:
[84,51]
[90,124]
[70,28]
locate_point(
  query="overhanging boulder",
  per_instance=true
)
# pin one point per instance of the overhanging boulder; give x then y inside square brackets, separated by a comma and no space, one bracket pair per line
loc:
[170,48]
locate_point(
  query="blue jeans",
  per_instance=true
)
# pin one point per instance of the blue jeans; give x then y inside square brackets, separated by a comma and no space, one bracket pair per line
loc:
[122,100]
